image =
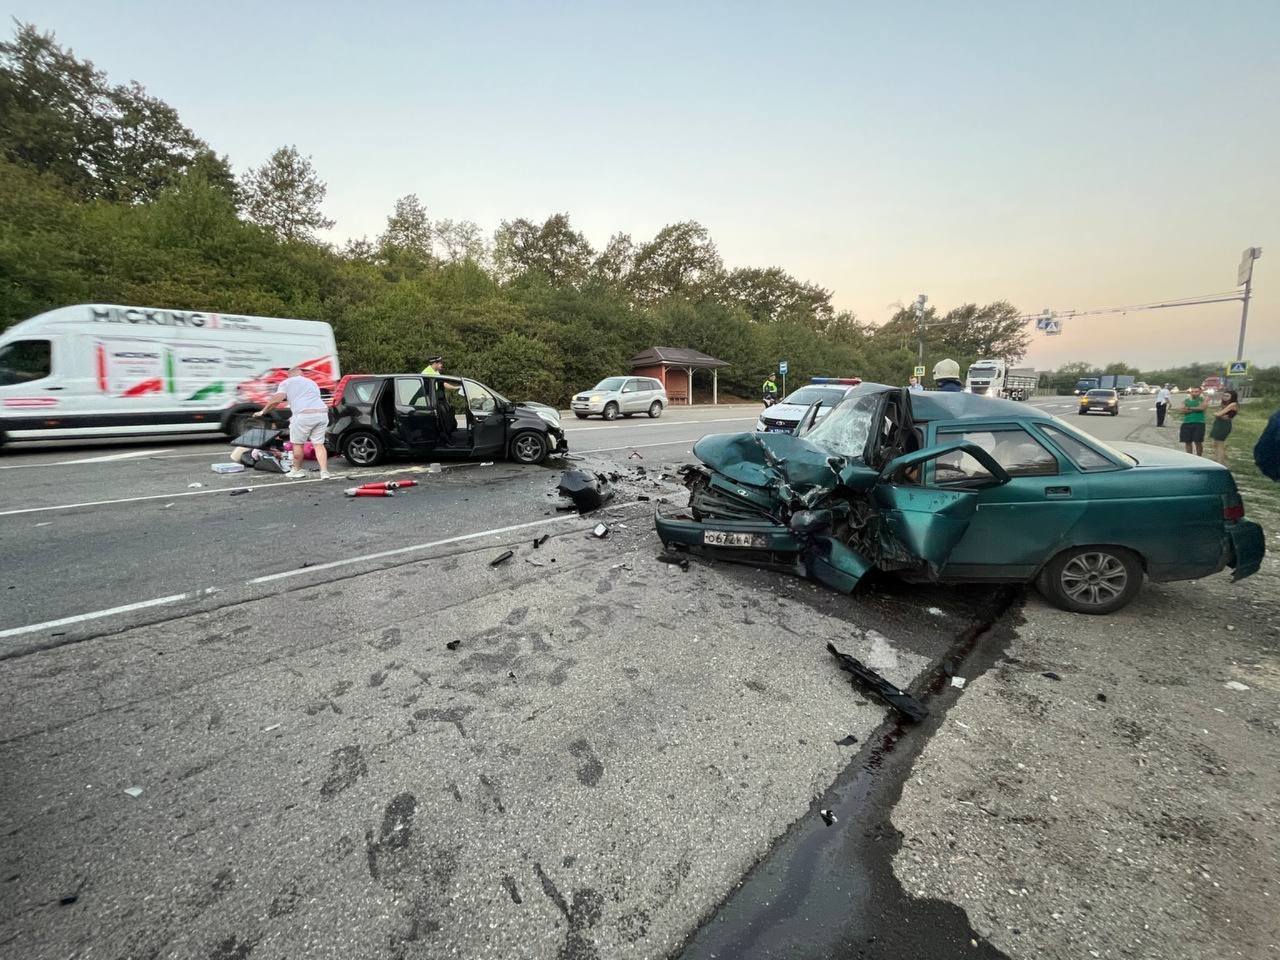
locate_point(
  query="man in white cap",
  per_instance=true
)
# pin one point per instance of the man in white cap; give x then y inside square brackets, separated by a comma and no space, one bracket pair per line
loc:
[946,374]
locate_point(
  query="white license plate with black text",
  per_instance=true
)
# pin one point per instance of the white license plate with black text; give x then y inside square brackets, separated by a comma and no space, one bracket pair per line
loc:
[718,538]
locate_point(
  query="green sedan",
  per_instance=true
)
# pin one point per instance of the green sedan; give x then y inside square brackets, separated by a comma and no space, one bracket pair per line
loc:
[953,487]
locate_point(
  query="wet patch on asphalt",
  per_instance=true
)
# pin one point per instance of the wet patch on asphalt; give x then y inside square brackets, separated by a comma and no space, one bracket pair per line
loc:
[827,889]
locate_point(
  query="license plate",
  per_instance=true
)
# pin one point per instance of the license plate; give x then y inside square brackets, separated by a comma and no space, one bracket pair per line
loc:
[717,538]
[780,429]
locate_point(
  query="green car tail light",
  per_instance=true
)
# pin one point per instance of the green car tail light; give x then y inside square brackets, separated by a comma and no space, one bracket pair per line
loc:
[1232,508]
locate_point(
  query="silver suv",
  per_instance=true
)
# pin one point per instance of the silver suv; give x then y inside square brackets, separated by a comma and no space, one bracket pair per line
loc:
[621,395]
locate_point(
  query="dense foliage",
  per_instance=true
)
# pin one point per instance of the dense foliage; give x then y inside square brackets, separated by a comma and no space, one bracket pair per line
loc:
[106,197]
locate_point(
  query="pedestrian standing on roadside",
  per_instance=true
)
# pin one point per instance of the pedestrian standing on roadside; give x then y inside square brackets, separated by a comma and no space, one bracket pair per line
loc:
[308,419]
[1221,428]
[914,386]
[1191,433]
[1162,404]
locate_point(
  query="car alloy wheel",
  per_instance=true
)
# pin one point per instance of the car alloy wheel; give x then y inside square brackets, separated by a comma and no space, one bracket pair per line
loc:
[528,448]
[1092,579]
[655,410]
[362,449]
[611,411]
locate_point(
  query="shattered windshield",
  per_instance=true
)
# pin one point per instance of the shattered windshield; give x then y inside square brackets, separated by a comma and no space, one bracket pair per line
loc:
[844,431]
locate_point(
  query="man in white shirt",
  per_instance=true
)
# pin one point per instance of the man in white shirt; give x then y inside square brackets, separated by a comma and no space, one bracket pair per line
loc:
[914,385]
[308,420]
[1162,404]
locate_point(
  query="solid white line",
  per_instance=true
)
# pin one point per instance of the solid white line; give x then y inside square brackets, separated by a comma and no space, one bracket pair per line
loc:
[117,456]
[399,551]
[635,446]
[669,423]
[161,496]
[99,614]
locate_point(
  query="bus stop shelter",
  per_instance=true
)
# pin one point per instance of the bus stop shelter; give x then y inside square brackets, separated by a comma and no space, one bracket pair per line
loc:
[674,366]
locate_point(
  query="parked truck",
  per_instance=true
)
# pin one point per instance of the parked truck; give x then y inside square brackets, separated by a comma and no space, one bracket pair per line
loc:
[1020,383]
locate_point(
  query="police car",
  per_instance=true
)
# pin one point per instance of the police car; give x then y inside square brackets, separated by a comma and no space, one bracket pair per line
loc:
[783,416]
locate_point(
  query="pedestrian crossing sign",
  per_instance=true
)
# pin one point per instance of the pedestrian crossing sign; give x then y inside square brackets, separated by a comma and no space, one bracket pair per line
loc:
[919,372]
[1053,328]
[1238,368]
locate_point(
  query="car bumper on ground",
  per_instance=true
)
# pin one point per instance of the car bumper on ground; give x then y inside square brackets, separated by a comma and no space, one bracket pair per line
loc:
[1248,547]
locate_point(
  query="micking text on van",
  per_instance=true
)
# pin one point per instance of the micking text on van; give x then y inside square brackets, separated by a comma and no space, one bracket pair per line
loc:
[167,318]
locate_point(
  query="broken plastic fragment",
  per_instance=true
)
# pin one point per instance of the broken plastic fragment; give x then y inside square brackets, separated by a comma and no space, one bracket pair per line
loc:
[502,558]
[600,531]
[958,682]
[541,540]
[1050,675]
[236,493]
[635,455]
[194,486]
[904,703]
[133,791]
[535,561]
[681,562]
[453,644]
[848,741]
[1102,698]
[1235,685]
[827,817]
[587,493]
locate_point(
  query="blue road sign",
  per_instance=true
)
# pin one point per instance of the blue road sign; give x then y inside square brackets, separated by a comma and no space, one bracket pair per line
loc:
[782,367]
[1238,368]
[1053,327]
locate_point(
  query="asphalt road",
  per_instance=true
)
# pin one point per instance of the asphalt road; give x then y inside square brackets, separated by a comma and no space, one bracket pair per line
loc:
[236,726]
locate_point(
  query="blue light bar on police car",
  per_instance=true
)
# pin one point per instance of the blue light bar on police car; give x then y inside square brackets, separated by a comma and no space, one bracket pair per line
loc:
[849,381]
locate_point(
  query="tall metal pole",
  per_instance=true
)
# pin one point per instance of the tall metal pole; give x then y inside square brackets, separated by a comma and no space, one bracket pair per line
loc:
[921,300]
[1244,274]
[1244,315]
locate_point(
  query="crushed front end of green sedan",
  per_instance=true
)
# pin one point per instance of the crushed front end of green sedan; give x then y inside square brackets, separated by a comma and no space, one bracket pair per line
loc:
[951,487]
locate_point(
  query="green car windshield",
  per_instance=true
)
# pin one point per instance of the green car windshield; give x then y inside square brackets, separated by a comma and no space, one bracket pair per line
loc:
[844,431]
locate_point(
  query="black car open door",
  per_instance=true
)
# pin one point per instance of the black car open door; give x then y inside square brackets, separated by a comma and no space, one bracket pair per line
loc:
[414,425]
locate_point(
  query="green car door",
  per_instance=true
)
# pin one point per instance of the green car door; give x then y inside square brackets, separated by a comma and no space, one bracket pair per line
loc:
[1019,525]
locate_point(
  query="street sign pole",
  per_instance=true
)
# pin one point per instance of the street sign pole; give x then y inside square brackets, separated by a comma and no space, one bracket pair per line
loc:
[921,300]
[1245,275]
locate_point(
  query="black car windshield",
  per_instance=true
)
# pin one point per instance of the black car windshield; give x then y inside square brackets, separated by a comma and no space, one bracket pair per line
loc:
[1102,394]
[844,431]
[829,396]
[610,383]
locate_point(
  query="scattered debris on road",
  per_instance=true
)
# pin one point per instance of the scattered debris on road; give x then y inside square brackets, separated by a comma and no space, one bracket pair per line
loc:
[600,531]
[369,492]
[587,493]
[848,741]
[195,486]
[1050,675]
[502,558]
[242,490]
[903,702]
[535,561]
[133,791]
[1235,685]
[681,562]
[541,540]
[958,682]
[227,467]
[453,644]
[827,817]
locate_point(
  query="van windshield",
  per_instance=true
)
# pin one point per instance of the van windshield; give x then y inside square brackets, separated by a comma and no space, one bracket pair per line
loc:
[25,360]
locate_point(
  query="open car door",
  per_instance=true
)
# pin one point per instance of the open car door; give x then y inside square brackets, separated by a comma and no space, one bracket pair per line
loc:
[929,521]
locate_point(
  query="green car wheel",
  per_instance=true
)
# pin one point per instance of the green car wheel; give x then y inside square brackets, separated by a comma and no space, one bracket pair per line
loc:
[1093,579]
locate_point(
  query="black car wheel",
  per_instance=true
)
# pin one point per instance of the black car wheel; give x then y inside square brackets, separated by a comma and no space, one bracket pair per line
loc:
[1091,579]
[363,449]
[528,447]
[655,410]
[611,411]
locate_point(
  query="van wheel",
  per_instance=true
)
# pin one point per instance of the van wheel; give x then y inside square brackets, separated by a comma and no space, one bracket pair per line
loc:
[655,410]
[242,420]
[529,447]
[1091,579]
[610,411]
[363,449]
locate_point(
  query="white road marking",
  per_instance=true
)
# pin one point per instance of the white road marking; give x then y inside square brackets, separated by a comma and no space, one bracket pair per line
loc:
[669,423]
[111,612]
[399,551]
[131,455]
[161,496]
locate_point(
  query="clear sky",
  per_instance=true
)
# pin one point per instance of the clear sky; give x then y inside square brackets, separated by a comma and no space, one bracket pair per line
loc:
[1054,154]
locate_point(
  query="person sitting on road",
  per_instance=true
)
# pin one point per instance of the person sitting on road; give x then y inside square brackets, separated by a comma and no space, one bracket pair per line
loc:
[309,418]
[946,374]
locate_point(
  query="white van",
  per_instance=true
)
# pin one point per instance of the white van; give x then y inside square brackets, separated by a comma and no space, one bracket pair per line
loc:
[98,370]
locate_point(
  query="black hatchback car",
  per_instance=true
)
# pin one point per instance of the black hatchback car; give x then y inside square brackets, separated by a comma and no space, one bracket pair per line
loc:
[377,416]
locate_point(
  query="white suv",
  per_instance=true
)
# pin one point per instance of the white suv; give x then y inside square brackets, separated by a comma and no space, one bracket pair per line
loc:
[621,395]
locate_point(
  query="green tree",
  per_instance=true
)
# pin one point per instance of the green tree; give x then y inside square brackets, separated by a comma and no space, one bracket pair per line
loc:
[554,249]
[284,195]
[408,234]
[59,115]
[681,260]
[770,295]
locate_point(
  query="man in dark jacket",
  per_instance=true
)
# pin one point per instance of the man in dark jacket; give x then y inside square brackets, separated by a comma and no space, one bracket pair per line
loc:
[1266,452]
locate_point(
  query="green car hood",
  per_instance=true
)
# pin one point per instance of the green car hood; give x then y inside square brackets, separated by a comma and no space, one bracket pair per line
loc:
[793,468]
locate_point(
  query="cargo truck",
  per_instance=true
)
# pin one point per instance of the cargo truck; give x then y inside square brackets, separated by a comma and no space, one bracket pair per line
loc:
[1020,383]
